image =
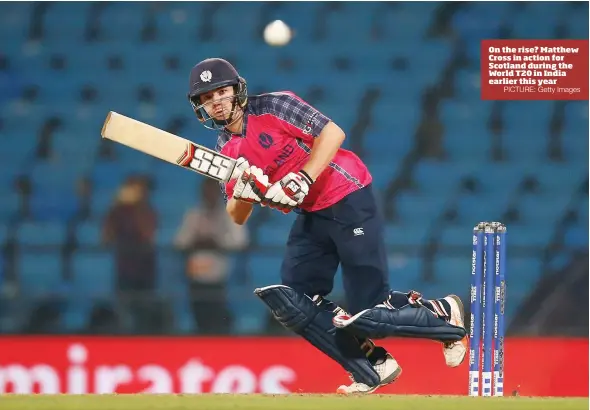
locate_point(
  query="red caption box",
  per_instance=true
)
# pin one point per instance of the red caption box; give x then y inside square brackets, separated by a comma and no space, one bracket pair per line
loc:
[534,69]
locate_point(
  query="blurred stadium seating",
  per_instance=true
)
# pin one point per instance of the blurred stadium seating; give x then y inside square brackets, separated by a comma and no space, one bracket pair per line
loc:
[400,78]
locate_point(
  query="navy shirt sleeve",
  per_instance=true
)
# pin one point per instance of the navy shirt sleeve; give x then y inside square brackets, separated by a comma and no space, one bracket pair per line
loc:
[299,117]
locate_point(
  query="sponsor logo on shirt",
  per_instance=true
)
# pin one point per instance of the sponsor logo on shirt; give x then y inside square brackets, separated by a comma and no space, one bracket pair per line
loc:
[308,127]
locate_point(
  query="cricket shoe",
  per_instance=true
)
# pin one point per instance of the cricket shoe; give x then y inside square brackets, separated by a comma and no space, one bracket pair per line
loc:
[388,372]
[455,351]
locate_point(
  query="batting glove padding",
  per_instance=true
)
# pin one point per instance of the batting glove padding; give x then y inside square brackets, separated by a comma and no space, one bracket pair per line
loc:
[251,186]
[289,192]
[241,165]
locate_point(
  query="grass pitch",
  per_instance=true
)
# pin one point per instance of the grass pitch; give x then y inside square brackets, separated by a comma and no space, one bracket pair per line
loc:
[282,402]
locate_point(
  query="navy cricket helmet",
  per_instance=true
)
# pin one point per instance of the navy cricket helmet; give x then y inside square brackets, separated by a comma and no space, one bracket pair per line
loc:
[209,75]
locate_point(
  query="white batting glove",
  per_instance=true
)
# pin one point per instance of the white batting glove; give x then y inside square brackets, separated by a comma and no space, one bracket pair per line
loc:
[251,185]
[241,165]
[289,192]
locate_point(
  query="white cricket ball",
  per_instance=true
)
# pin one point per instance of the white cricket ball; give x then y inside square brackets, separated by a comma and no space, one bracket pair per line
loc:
[277,33]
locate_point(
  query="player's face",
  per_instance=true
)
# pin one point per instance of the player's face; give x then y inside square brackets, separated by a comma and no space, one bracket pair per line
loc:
[218,103]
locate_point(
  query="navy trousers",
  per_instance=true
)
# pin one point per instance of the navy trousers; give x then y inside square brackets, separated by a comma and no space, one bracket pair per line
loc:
[349,233]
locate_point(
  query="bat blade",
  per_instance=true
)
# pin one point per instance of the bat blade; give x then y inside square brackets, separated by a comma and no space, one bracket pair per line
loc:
[167,147]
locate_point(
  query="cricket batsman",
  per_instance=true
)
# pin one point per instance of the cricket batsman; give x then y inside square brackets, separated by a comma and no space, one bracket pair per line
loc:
[289,158]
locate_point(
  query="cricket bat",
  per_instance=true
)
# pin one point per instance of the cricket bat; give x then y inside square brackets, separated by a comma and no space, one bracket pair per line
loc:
[167,147]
